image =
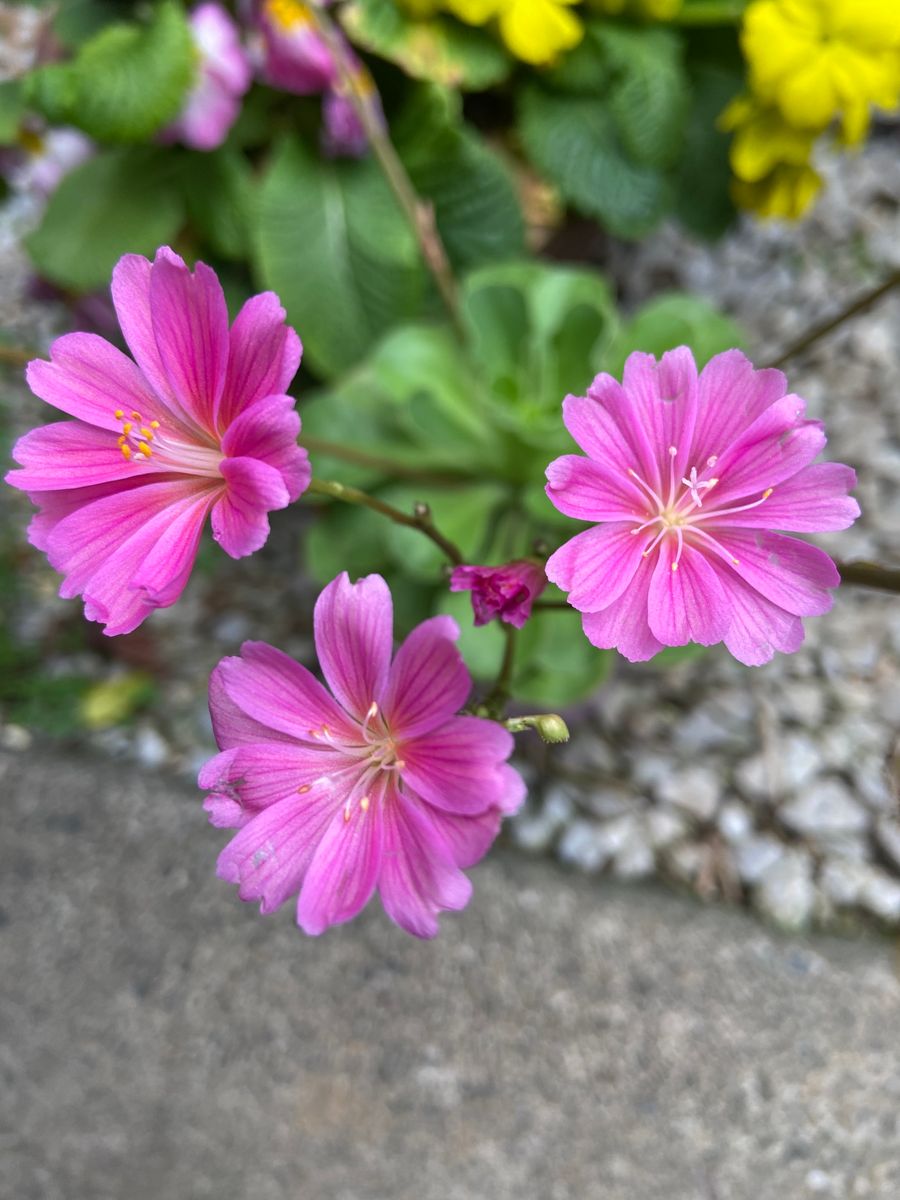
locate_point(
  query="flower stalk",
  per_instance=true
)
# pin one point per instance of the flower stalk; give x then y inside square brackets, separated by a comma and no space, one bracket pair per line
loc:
[419,519]
[418,212]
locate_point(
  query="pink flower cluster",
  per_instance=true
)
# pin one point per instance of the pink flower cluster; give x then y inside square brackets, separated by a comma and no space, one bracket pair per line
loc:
[288,53]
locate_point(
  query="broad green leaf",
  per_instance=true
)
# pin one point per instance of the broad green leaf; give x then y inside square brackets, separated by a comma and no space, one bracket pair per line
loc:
[676,319]
[556,665]
[125,83]
[707,210]
[219,190]
[122,201]
[11,109]
[648,95]
[480,646]
[574,140]
[332,242]
[475,203]
[437,49]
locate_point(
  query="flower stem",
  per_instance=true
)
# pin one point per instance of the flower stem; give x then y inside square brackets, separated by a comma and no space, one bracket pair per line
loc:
[816,332]
[388,466]
[419,213]
[419,519]
[496,698]
[868,574]
[550,726]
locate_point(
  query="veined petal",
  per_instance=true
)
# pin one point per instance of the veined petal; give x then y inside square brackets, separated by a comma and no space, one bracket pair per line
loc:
[264,354]
[624,625]
[353,627]
[790,573]
[428,681]
[589,491]
[456,767]
[758,627]
[418,878]
[595,567]
[345,867]
[71,454]
[268,430]
[277,692]
[732,396]
[812,501]
[131,298]
[259,774]
[190,325]
[89,378]
[610,423]
[240,521]
[231,725]
[271,854]
[662,398]
[688,603]
[468,836]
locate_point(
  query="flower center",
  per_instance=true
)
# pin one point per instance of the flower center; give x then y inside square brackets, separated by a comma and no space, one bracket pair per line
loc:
[369,753]
[140,441]
[681,511]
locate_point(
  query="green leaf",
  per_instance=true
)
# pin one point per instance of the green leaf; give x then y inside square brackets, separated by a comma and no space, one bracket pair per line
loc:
[480,646]
[332,242]
[122,201]
[475,202]
[574,140]
[462,515]
[707,210]
[11,109]
[556,664]
[676,319]
[438,49]
[125,83]
[648,97]
[219,191]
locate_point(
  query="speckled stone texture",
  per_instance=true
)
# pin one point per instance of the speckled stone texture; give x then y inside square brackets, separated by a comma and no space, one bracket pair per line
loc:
[562,1040]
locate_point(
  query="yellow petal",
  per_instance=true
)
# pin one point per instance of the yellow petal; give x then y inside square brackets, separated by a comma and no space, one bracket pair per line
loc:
[538,31]
[475,12]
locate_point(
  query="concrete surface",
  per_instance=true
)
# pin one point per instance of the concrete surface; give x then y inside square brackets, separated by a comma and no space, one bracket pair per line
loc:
[561,1039]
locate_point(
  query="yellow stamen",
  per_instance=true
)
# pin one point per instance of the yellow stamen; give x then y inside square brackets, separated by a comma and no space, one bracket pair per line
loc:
[118,414]
[154,424]
[364,804]
[144,449]
[303,789]
[136,414]
[126,450]
[147,433]
[127,428]
[674,566]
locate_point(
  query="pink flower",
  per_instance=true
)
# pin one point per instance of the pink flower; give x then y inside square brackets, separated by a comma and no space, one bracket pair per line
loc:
[377,784]
[688,478]
[199,425]
[507,592]
[223,76]
[294,57]
[343,133]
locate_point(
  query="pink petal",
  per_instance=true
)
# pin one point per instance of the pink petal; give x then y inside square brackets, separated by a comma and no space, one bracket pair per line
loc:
[190,324]
[240,521]
[790,573]
[457,766]
[758,627]
[469,837]
[353,625]
[90,379]
[263,357]
[603,426]
[776,446]
[418,879]
[812,501]
[688,604]
[344,869]
[624,625]
[595,567]
[268,430]
[70,454]
[277,692]
[231,725]
[207,116]
[257,775]
[588,491]
[270,856]
[662,399]
[428,681]
[131,298]
[104,545]
[732,397]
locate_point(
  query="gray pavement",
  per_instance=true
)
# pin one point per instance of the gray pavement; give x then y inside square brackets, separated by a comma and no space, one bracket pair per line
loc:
[561,1039]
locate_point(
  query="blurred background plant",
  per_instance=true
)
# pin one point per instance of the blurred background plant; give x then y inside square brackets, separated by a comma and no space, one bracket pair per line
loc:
[526,137]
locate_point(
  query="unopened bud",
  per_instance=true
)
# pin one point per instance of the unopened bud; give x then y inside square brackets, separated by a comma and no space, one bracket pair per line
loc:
[552,728]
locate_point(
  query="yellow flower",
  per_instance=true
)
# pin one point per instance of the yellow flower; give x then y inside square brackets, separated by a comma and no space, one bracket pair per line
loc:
[820,59]
[537,31]
[786,192]
[763,140]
